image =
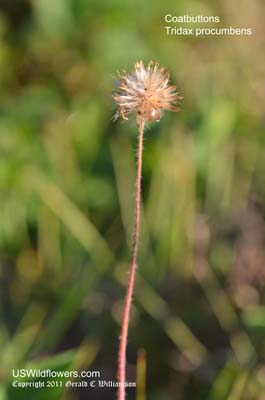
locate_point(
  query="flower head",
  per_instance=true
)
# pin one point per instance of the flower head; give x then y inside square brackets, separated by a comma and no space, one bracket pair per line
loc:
[146,92]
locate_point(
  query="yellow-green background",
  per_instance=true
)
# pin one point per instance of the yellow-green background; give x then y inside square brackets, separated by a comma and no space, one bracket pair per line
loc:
[67,198]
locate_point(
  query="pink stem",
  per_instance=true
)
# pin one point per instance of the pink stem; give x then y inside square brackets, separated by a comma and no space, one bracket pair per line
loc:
[130,287]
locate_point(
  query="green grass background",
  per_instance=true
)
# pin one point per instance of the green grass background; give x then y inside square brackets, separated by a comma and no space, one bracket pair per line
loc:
[67,200]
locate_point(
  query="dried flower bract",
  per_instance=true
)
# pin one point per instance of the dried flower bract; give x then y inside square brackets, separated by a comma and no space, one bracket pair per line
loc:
[146,92]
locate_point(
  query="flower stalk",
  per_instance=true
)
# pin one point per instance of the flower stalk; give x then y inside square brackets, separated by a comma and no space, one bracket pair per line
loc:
[145,92]
[129,293]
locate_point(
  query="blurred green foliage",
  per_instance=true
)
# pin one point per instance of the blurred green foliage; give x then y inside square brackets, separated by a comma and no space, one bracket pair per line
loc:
[67,200]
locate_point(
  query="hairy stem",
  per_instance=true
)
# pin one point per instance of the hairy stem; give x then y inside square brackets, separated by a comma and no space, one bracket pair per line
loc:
[130,287]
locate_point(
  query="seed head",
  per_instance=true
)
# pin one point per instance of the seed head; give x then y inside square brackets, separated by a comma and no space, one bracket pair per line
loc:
[146,92]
